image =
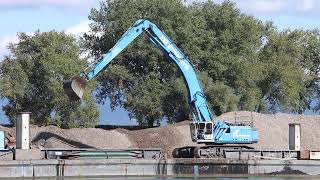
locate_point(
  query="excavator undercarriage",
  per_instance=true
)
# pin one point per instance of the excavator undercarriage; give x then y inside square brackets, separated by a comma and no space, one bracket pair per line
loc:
[209,151]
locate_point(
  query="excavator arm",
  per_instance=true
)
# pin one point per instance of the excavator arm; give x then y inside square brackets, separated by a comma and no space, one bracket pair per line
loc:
[76,85]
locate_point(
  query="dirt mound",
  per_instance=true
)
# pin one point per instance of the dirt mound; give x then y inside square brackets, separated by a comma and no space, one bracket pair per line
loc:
[273,132]
[167,137]
[273,129]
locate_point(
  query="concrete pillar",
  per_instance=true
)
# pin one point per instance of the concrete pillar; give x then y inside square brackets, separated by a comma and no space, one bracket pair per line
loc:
[294,136]
[22,130]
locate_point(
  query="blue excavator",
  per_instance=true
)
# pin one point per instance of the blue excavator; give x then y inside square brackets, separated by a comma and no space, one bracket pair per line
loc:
[216,135]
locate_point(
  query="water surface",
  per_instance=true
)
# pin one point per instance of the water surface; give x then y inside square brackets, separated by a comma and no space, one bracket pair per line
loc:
[192,178]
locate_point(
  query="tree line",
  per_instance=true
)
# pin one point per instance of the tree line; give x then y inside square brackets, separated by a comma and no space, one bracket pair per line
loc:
[242,63]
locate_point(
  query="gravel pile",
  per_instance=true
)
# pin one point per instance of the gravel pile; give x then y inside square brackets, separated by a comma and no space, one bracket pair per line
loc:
[273,134]
[273,129]
[166,137]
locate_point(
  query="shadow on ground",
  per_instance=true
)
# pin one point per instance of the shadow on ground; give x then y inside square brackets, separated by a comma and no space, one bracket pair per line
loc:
[42,138]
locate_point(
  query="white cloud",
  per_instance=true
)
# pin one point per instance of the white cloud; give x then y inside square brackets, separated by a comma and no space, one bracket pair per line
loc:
[269,6]
[46,3]
[287,7]
[306,5]
[79,29]
[4,42]
[76,30]
[263,6]
[257,6]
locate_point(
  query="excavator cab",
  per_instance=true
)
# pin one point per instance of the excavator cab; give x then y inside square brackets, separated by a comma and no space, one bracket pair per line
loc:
[201,131]
[75,87]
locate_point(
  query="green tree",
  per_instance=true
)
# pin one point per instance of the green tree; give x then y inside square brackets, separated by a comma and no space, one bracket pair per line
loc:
[226,46]
[140,78]
[310,62]
[282,83]
[219,40]
[31,80]
[222,98]
[242,62]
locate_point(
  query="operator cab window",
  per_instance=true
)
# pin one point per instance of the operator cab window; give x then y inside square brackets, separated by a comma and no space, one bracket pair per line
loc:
[209,128]
[202,125]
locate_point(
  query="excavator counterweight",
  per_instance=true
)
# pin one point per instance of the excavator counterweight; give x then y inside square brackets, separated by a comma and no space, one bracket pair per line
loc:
[75,87]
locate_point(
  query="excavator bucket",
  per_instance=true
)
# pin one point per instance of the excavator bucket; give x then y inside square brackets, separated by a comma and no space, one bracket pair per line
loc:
[75,87]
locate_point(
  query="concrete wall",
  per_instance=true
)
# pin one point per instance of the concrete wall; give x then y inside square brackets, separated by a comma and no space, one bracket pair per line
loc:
[154,167]
[31,168]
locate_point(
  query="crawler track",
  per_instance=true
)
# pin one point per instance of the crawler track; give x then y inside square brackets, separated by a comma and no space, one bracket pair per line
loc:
[209,151]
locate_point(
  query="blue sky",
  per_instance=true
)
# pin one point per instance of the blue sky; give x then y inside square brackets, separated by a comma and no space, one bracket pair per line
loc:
[71,16]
